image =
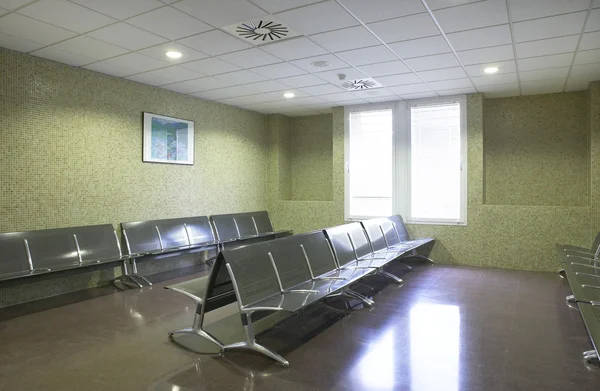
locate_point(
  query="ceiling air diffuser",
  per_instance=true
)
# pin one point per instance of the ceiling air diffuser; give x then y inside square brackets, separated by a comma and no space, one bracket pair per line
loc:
[361,84]
[261,31]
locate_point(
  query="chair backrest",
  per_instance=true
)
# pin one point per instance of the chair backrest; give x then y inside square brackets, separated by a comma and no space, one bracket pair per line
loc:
[140,237]
[263,222]
[98,242]
[13,256]
[341,244]
[290,261]
[253,272]
[172,233]
[225,227]
[199,230]
[359,240]
[53,248]
[400,227]
[246,224]
[319,252]
[596,245]
[373,229]
[389,233]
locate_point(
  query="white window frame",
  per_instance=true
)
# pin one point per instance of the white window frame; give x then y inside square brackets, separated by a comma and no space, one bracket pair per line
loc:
[401,138]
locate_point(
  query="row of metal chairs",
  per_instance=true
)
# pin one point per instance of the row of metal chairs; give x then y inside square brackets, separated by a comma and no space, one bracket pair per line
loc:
[291,273]
[26,254]
[581,267]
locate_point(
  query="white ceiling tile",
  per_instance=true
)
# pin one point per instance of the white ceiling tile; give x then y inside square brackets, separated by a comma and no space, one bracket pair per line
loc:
[250,58]
[365,56]
[301,81]
[577,84]
[593,23]
[3,11]
[309,100]
[318,18]
[375,10]
[187,54]
[273,6]
[276,71]
[587,57]
[120,9]
[544,74]
[506,87]
[214,43]
[457,91]
[129,37]
[450,84]
[174,74]
[346,39]
[202,84]
[405,28]
[555,26]
[279,95]
[486,55]
[472,16]
[383,99]
[480,38]
[292,49]
[504,94]
[90,48]
[240,77]
[548,87]
[596,4]
[66,57]
[305,63]
[590,41]
[298,112]
[437,4]
[410,89]
[211,66]
[533,9]
[32,30]
[547,46]
[503,67]
[437,61]
[543,62]
[14,4]
[385,68]
[502,78]
[322,89]
[220,13]
[266,86]
[332,76]
[246,100]
[186,87]
[396,80]
[223,93]
[421,47]
[66,15]
[587,70]
[374,93]
[339,97]
[443,74]
[169,23]
[418,95]
[127,64]
[18,44]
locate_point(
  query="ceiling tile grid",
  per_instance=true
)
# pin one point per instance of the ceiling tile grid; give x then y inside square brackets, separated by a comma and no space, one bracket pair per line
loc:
[413,48]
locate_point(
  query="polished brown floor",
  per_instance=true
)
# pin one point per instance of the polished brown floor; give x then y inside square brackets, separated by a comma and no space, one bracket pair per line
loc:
[446,329]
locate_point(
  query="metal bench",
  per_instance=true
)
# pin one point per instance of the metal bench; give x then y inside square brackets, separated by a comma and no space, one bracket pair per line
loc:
[403,238]
[236,227]
[580,254]
[165,238]
[285,274]
[24,254]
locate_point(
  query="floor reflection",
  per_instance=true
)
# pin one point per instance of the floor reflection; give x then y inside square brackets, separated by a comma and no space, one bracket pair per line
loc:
[434,340]
[377,367]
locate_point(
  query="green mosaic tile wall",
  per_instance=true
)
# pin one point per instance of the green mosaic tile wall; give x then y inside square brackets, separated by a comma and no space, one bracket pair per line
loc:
[312,154]
[71,154]
[537,150]
[503,236]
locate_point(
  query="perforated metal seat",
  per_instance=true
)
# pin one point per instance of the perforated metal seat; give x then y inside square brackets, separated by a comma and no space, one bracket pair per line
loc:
[590,312]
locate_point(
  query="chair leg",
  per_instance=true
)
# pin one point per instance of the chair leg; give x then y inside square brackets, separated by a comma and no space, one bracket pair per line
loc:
[135,274]
[198,332]
[590,356]
[358,296]
[251,344]
[415,255]
[561,273]
[128,280]
[390,275]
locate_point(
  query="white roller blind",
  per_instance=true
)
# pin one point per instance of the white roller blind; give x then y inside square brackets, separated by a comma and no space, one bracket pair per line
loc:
[370,163]
[435,175]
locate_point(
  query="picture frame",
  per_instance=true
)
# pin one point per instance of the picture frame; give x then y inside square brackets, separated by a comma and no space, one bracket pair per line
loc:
[167,140]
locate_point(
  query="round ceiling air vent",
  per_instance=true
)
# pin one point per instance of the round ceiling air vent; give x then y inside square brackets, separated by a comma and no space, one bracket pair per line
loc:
[361,84]
[261,31]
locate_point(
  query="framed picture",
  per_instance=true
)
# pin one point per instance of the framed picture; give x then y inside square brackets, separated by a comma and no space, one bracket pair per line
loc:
[168,140]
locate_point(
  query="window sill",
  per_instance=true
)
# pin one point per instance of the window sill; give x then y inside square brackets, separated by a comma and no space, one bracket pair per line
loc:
[436,223]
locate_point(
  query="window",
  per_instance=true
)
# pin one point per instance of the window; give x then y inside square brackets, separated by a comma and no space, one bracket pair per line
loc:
[407,158]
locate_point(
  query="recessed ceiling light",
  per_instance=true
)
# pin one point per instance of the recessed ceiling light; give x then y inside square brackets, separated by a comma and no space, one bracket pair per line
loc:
[490,70]
[174,54]
[289,95]
[320,64]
